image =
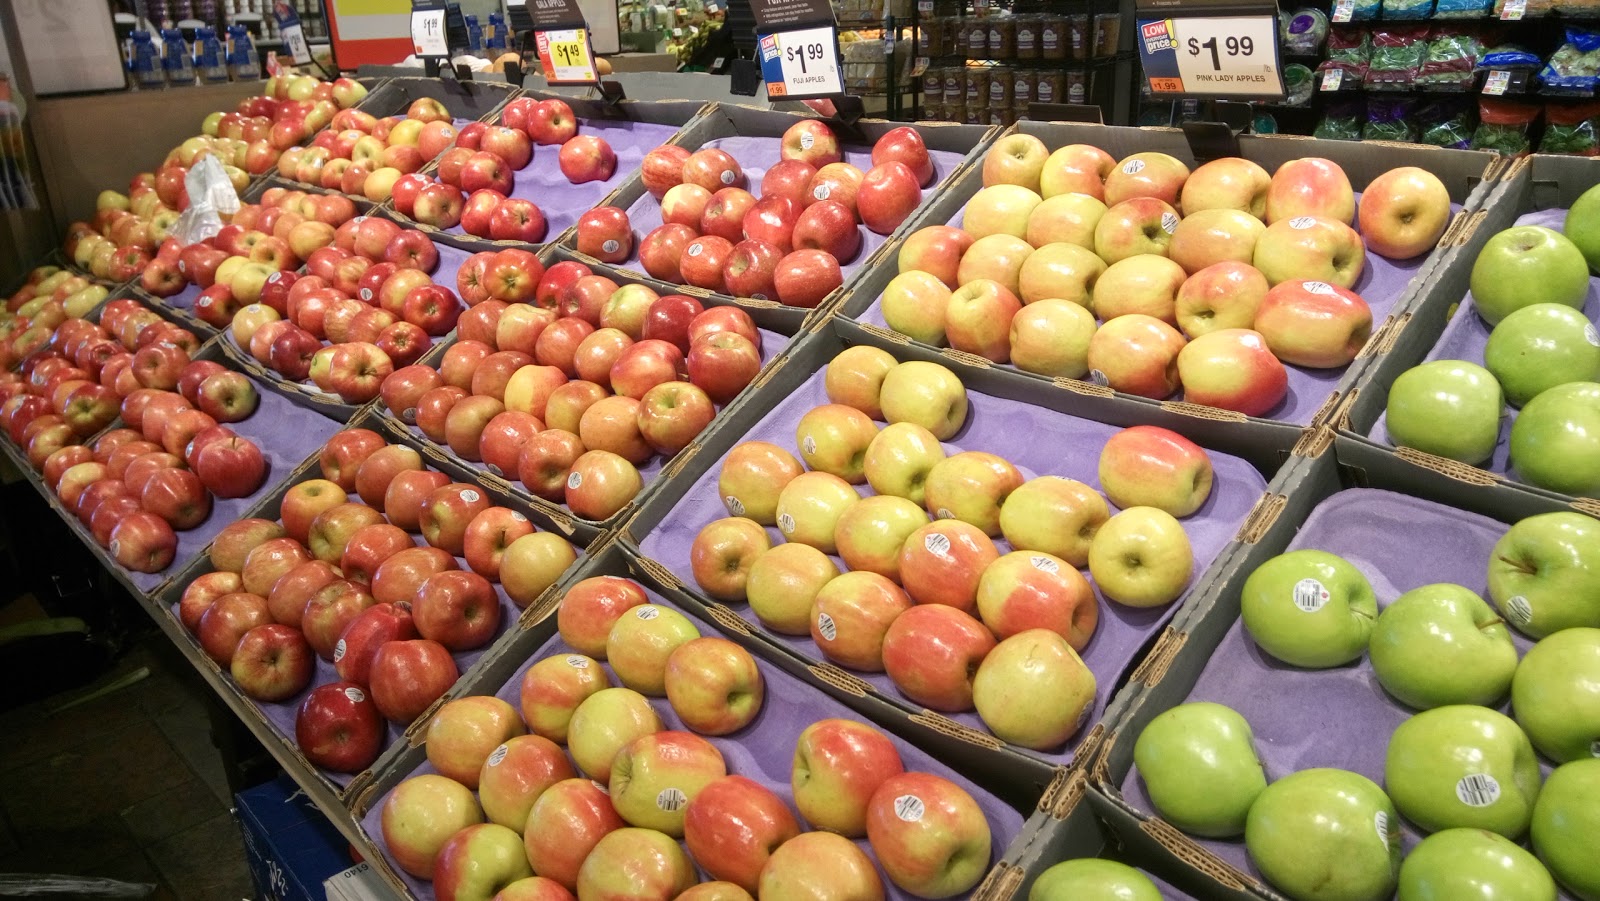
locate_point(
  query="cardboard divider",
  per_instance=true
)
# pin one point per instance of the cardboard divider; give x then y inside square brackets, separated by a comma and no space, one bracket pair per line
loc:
[753,136]
[469,100]
[762,751]
[281,716]
[1443,324]
[1002,420]
[1401,535]
[777,335]
[306,393]
[632,128]
[1388,286]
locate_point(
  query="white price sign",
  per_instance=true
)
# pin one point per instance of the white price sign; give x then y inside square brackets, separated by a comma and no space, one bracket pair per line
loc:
[802,63]
[294,37]
[1344,10]
[427,33]
[1496,82]
[1218,57]
[1332,78]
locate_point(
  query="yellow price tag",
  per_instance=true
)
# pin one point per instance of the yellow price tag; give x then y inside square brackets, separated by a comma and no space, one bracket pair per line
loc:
[564,55]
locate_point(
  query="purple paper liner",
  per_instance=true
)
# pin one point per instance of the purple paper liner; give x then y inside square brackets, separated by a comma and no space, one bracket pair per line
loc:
[762,751]
[772,344]
[450,261]
[287,434]
[282,714]
[1039,442]
[563,202]
[1466,336]
[1341,717]
[755,156]
[1382,283]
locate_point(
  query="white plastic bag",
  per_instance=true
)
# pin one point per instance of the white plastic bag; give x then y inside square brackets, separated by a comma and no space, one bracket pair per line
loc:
[211,197]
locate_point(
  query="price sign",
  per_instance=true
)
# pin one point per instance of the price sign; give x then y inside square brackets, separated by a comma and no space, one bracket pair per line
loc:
[428,33]
[1344,10]
[1332,78]
[293,35]
[801,64]
[1513,10]
[566,57]
[1234,56]
[924,6]
[1496,82]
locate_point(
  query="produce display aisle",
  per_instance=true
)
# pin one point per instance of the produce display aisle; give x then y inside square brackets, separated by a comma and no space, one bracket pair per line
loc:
[1000,501]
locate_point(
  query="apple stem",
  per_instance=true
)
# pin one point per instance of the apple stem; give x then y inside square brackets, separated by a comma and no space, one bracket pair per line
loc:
[1519,567]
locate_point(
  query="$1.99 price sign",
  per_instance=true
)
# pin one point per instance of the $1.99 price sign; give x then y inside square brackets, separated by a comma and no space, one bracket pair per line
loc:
[1235,56]
[566,57]
[800,64]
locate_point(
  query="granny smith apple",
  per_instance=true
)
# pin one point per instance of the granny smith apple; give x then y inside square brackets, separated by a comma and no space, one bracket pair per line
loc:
[1449,408]
[1473,863]
[1544,573]
[1555,442]
[1463,765]
[1309,608]
[1566,820]
[1540,347]
[1555,696]
[1441,644]
[1325,835]
[1525,265]
[1091,879]
[1199,765]
[1583,225]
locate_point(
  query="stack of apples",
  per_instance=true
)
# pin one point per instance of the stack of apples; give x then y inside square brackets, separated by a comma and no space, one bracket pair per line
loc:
[1150,278]
[1531,286]
[341,577]
[956,623]
[788,243]
[292,109]
[607,821]
[365,305]
[363,155]
[48,297]
[233,267]
[156,474]
[472,184]
[569,382]
[1458,770]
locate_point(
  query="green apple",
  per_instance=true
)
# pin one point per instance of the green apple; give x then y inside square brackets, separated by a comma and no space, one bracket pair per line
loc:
[1325,835]
[899,459]
[1473,863]
[1566,819]
[1555,441]
[1141,558]
[1199,764]
[1092,879]
[927,394]
[1544,573]
[1463,766]
[1034,690]
[1525,265]
[1583,226]
[1540,347]
[1441,644]
[1309,608]
[1449,408]
[1555,695]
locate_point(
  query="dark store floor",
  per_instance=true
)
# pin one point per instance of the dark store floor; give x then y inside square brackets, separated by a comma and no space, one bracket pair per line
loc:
[103,774]
[126,786]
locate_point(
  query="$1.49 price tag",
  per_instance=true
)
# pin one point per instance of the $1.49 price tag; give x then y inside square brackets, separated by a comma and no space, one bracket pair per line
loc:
[801,64]
[565,56]
[1236,56]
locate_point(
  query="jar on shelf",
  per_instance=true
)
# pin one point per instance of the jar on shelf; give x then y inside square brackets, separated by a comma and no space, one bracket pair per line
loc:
[1050,87]
[955,84]
[933,83]
[979,116]
[974,38]
[1023,85]
[933,110]
[1077,86]
[955,112]
[1028,37]
[1107,34]
[1052,37]
[1076,33]
[1003,38]
[930,39]
[1001,86]
[1002,115]
[977,82]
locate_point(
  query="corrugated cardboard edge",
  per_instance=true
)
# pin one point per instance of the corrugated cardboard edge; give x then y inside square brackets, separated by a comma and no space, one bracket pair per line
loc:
[659,574]
[1387,340]
[1313,442]
[838,678]
[1079,386]
[1588,506]
[1001,884]
[1159,660]
[967,359]
[1454,469]
[1200,411]
[1256,524]
[1067,789]
[946,726]
[1184,848]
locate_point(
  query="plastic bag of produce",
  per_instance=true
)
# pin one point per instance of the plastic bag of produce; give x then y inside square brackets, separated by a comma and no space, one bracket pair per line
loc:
[1461,9]
[1402,10]
[1452,56]
[1341,121]
[1397,52]
[1575,67]
[1304,31]
[1503,126]
[1445,123]
[1389,119]
[1571,130]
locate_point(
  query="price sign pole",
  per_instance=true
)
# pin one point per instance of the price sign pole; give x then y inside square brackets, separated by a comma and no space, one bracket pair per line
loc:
[798,49]
[561,39]
[290,30]
[430,34]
